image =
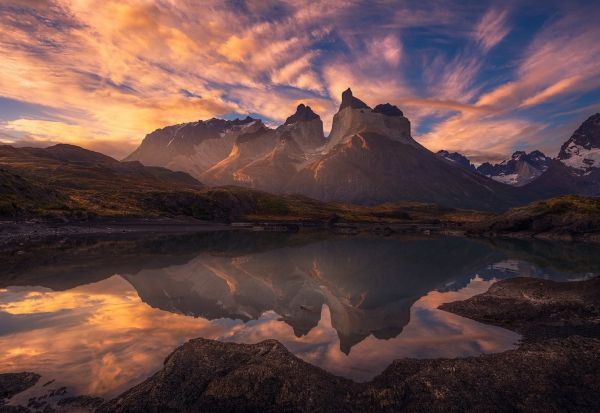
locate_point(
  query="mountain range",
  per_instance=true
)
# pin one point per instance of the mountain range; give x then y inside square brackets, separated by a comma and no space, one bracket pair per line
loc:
[576,169]
[521,169]
[368,158]
[223,169]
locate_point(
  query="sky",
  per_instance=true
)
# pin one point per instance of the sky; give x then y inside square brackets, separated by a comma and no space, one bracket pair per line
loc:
[484,78]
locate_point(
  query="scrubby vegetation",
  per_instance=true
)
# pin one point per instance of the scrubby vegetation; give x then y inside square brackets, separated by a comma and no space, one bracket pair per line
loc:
[563,217]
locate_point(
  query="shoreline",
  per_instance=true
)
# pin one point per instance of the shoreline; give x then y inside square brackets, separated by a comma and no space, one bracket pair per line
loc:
[37,230]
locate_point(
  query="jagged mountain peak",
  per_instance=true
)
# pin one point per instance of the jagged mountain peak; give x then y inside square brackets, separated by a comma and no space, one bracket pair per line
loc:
[518,155]
[348,100]
[521,169]
[534,157]
[388,109]
[387,121]
[303,113]
[458,159]
[217,122]
[581,152]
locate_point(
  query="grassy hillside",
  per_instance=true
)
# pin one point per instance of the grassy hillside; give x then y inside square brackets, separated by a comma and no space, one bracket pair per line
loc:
[66,181]
[563,217]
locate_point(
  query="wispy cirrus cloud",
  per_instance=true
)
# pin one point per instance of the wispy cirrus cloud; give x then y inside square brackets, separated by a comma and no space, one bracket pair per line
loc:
[116,70]
[491,29]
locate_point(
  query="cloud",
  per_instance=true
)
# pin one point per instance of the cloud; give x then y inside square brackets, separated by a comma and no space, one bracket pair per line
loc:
[562,86]
[560,59]
[118,69]
[480,135]
[389,47]
[236,48]
[491,29]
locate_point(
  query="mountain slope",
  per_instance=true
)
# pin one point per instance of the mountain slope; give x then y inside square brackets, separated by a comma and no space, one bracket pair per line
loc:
[370,168]
[371,158]
[84,180]
[192,147]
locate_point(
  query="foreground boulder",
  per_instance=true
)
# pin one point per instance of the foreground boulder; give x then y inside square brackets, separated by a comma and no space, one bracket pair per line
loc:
[206,375]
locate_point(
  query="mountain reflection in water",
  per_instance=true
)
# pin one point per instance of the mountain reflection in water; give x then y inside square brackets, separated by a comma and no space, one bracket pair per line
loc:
[100,315]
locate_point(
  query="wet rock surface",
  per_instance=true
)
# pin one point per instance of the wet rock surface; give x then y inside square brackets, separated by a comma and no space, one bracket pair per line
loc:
[556,369]
[538,309]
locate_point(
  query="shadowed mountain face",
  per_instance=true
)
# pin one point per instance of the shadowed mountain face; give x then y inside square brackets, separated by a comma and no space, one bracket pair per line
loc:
[369,284]
[370,168]
[192,147]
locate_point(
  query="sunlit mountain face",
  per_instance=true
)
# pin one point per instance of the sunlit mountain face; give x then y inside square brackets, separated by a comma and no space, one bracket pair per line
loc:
[485,79]
[98,315]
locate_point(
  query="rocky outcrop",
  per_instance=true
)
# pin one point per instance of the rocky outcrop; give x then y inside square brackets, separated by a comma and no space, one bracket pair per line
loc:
[304,128]
[538,309]
[554,371]
[349,101]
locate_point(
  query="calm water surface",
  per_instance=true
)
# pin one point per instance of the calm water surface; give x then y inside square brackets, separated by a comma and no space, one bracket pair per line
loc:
[100,315]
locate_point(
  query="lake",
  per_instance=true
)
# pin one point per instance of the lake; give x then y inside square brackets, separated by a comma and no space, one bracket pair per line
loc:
[99,315]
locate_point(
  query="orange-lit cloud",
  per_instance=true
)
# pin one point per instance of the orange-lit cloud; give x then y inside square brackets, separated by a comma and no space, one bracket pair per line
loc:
[491,29]
[114,70]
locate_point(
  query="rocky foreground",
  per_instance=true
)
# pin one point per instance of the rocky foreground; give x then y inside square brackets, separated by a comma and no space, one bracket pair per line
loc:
[557,367]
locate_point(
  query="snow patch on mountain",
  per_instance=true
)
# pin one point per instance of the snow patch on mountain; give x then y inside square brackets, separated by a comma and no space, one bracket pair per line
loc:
[581,158]
[510,179]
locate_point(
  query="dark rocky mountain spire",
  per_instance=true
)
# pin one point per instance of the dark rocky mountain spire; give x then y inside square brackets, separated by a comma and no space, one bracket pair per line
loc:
[303,113]
[388,109]
[349,100]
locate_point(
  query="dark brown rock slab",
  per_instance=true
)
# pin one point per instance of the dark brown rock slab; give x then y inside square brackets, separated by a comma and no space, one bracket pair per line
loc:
[204,375]
[556,375]
[536,308]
